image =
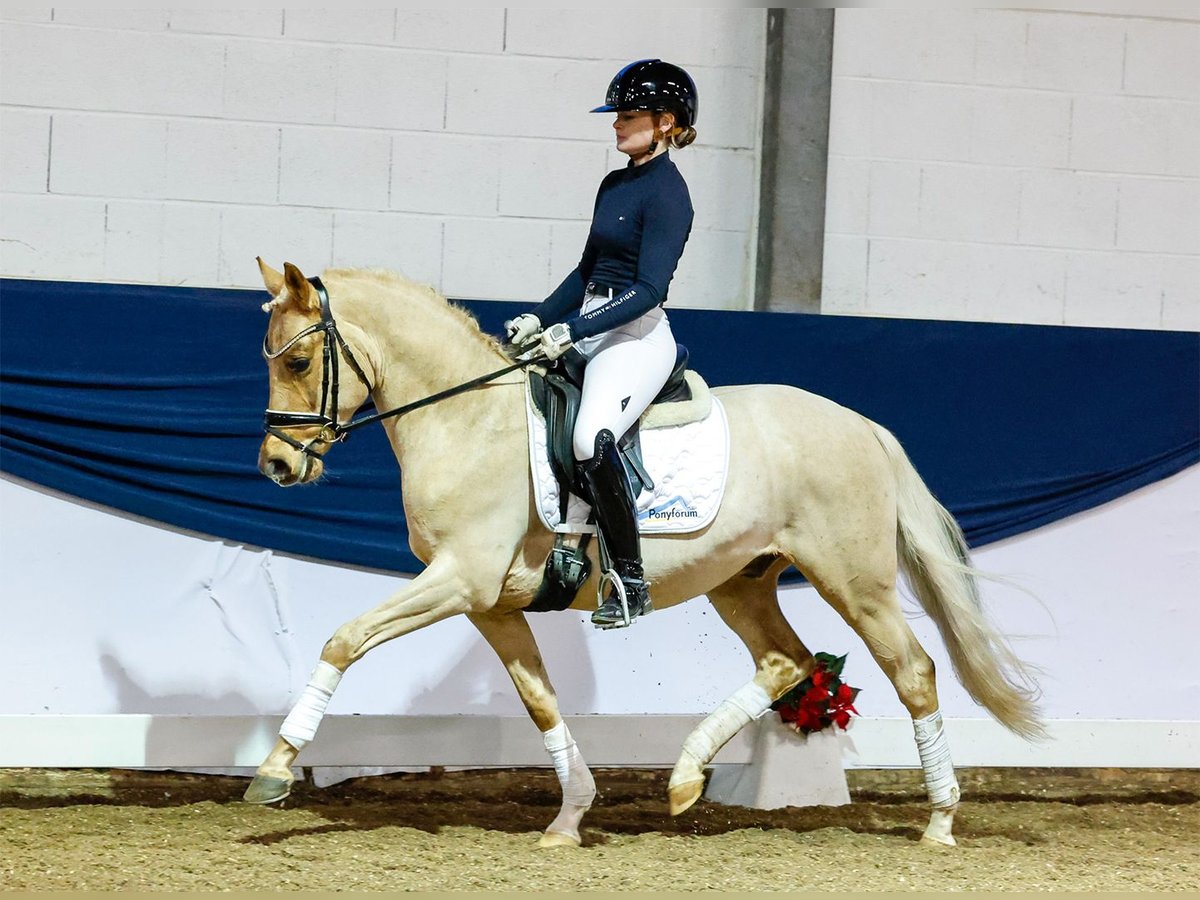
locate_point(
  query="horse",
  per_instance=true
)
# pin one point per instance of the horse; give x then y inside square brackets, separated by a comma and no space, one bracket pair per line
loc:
[811,484]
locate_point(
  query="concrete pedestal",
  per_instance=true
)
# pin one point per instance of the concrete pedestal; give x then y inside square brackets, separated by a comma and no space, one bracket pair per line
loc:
[786,769]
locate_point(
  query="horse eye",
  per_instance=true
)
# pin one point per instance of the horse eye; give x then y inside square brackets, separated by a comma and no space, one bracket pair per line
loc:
[298,364]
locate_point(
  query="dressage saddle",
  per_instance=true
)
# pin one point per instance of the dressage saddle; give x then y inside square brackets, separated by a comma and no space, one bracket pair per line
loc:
[556,394]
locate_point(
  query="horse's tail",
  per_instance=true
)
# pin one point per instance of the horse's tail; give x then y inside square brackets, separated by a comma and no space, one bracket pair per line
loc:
[934,557]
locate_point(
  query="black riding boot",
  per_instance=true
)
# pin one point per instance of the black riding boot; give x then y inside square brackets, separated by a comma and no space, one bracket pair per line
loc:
[616,514]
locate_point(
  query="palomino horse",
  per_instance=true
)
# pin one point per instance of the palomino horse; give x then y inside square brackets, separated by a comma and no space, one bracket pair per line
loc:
[811,483]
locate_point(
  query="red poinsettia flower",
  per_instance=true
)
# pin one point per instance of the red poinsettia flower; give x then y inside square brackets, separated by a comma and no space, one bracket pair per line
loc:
[816,695]
[821,700]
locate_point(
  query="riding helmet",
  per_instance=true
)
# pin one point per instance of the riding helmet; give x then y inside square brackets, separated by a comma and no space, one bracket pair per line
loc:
[655,85]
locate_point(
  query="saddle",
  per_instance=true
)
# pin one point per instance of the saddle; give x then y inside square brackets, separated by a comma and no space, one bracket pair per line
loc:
[556,394]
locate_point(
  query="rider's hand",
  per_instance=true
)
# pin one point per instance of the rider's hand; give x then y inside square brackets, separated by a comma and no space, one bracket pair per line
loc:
[522,328]
[556,340]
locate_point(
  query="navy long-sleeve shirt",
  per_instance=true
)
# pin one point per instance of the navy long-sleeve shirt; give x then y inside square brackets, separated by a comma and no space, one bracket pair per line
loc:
[642,219]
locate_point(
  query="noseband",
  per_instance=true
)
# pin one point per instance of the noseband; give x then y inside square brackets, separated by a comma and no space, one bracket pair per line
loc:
[331,430]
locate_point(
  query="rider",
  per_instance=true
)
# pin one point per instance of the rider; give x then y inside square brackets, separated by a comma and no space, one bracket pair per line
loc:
[610,306]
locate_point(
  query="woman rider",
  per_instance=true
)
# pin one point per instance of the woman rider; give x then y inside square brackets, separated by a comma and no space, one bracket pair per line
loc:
[609,308]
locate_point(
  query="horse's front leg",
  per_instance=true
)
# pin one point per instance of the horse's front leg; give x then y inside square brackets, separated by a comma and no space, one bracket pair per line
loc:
[441,591]
[509,635]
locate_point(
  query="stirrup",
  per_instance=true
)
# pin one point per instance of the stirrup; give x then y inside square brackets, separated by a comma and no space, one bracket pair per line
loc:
[617,603]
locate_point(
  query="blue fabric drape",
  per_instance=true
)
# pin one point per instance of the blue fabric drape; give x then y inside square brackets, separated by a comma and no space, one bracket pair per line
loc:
[150,400]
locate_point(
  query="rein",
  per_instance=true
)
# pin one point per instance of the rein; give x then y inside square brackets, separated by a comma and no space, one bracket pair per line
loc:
[332,431]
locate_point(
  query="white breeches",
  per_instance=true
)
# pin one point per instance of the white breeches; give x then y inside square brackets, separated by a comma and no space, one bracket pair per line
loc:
[626,369]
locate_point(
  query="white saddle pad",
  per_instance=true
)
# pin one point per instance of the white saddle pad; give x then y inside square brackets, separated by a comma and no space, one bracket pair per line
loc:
[687,463]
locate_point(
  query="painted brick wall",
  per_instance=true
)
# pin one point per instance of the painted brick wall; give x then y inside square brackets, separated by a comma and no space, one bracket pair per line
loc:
[173,146]
[1015,165]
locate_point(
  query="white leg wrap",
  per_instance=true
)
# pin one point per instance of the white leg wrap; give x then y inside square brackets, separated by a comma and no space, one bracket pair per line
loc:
[578,787]
[300,726]
[935,760]
[747,703]
[573,774]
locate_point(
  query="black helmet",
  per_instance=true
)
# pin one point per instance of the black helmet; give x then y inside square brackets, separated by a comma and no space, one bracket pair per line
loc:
[653,84]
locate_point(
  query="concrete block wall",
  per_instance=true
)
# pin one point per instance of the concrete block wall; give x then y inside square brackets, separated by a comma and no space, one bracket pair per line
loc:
[173,146]
[1016,165]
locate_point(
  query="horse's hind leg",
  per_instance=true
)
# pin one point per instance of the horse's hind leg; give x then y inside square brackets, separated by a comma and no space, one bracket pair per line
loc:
[871,606]
[509,635]
[750,607]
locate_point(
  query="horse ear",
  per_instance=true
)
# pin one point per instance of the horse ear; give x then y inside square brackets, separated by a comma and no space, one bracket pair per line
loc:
[271,279]
[299,288]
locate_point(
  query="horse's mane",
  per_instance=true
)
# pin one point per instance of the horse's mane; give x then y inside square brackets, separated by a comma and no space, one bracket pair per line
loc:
[416,293]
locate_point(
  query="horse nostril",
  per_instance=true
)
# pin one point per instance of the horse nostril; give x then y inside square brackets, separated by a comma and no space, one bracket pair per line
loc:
[276,468]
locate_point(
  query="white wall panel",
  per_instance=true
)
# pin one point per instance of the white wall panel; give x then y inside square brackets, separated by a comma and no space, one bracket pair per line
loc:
[347,25]
[1123,290]
[26,14]
[1124,134]
[516,96]
[114,71]
[893,200]
[124,19]
[849,194]
[549,181]
[277,234]
[970,203]
[24,150]
[1180,275]
[1015,283]
[913,120]
[501,260]
[394,89]
[1084,135]
[1068,209]
[40,233]
[726,179]
[243,22]
[333,167]
[1074,52]
[895,44]
[132,231]
[442,117]
[1162,59]
[109,156]
[270,81]
[474,30]
[447,175]
[566,249]
[1021,128]
[726,38]
[190,252]
[1160,214]
[714,271]
[225,162]
[411,245]
[844,273]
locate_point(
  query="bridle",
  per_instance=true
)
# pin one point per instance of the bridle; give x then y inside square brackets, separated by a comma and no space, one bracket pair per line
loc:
[331,431]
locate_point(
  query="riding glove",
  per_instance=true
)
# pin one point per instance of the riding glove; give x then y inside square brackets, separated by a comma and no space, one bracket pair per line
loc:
[556,340]
[522,329]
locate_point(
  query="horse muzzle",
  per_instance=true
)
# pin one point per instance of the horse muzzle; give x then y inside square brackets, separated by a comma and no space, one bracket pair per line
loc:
[286,465]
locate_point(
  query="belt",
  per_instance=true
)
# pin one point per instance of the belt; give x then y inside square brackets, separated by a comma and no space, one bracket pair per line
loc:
[595,287]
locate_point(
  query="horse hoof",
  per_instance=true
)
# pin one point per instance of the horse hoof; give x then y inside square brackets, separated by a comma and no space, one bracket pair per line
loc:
[682,796]
[558,839]
[264,790]
[929,840]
